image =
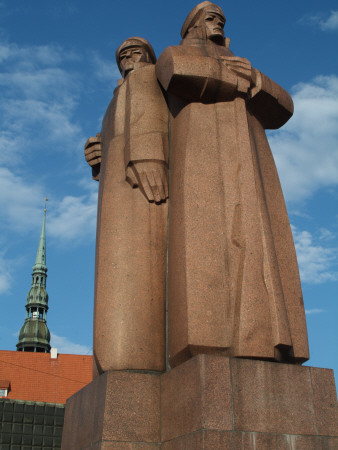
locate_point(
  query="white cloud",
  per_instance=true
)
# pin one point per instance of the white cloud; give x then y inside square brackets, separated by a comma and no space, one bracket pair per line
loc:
[326,235]
[52,122]
[305,149]
[38,83]
[29,57]
[72,219]
[64,345]
[11,148]
[330,23]
[38,100]
[314,311]
[325,22]
[19,202]
[105,70]
[5,274]
[316,263]
[75,219]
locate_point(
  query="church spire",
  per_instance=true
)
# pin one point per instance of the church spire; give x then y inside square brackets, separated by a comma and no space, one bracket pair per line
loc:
[34,335]
[40,261]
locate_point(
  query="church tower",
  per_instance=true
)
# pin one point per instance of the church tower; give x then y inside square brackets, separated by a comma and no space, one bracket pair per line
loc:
[34,335]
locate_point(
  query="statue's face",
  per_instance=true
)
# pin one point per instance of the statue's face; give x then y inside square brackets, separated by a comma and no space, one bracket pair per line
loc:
[131,55]
[214,25]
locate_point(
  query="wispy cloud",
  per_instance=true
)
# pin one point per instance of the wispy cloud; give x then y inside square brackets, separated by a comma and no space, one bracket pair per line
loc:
[38,99]
[30,57]
[19,201]
[325,22]
[5,273]
[74,219]
[326,235]
[330,23]
[314,311]
[317,264]
[52,122]
[104,70]
[305,149]
[64,345]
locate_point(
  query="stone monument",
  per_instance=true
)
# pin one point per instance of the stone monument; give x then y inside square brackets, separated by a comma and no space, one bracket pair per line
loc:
[234,286]
[130,274]
[191,213]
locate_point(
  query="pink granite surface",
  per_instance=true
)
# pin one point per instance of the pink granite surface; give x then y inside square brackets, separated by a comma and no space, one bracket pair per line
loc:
[208,402]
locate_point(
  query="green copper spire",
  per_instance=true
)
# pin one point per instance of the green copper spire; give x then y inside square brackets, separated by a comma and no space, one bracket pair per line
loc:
[40,261]
[34,335]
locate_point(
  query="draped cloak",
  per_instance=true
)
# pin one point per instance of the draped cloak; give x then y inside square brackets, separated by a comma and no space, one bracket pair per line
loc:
[234,284]
[129,316]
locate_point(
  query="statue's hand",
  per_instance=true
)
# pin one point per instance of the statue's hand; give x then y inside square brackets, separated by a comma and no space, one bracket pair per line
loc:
[151,177]
[241,66]
[93,152]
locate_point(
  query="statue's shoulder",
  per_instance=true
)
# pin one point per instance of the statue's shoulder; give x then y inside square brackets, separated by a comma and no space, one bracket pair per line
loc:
[142,75]
[178,51]
[192,47]
[172,50]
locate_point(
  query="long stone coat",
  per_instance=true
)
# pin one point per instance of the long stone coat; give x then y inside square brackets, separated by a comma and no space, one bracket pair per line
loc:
[129,317]
[234,285]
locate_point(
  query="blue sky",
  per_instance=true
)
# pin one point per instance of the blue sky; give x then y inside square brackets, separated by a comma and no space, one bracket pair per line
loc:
[57,77]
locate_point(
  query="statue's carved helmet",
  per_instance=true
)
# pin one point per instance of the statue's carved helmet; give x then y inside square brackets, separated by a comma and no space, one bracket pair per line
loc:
[136,42]
[193,26]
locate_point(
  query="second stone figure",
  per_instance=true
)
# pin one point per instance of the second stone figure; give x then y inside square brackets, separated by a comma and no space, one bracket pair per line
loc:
[130,157]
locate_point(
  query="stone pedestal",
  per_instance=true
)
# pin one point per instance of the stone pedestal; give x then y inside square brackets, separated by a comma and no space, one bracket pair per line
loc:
[208,402]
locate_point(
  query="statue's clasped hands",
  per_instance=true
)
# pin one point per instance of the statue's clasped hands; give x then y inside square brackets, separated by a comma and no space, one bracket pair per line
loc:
[241,67]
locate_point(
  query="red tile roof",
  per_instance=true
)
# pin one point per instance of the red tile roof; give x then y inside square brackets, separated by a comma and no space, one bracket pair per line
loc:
[38,377]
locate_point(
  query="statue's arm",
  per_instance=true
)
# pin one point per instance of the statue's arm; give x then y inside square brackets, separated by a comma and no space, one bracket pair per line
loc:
[202,78]
[146,147]
[269,102]
[93,153]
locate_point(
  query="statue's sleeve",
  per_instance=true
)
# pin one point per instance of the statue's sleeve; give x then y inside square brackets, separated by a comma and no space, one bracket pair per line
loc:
[202,78]
[146,118]
[269,102]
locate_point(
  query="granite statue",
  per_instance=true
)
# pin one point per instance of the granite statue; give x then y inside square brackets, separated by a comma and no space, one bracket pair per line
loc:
[232,276]
[191,215]
[233,279]
[130,159]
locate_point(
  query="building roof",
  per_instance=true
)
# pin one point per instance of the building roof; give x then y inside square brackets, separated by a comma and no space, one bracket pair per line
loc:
[42,378]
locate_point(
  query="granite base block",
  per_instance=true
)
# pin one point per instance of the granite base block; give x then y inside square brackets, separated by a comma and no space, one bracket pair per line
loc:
[115,411]
[208,402]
